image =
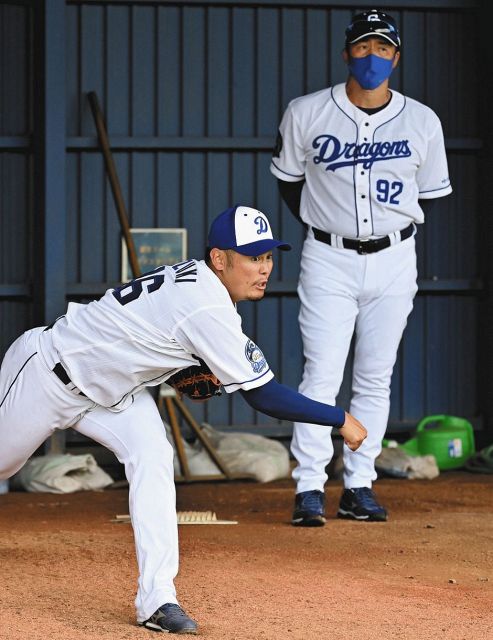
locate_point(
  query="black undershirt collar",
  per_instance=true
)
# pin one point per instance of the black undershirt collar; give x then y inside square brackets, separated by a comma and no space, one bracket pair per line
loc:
[370,112]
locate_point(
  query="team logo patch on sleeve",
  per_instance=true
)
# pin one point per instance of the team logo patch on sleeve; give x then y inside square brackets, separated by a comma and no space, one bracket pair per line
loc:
[255,356]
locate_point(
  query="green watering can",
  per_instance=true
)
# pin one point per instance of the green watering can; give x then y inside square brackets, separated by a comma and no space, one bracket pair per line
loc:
[448,438]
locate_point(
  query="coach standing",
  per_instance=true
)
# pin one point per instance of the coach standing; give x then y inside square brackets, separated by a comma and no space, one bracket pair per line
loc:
[354,163]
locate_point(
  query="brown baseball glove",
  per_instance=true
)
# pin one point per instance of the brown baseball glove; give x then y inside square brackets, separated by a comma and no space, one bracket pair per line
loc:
[196,382]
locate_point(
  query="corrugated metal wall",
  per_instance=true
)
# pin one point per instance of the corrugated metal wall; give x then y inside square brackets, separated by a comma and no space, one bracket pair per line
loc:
[193,93]
[15,174]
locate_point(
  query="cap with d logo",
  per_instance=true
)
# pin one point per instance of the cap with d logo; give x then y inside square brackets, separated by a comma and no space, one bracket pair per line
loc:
[245,230]
[373,23]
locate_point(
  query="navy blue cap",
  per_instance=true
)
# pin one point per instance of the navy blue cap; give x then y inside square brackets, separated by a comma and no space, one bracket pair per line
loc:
[245,230]
[373,23]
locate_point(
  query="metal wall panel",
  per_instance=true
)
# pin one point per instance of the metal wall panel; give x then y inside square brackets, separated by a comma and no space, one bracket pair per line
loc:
[15,240]
[436,368]
[193,93]
[197,71]
[14,65]
[448,241]
[163,189]
[15,172]
[196,74]
[15,317]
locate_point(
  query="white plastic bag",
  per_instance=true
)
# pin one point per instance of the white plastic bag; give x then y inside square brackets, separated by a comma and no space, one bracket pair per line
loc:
[242,453]
[396,462]
[62,473]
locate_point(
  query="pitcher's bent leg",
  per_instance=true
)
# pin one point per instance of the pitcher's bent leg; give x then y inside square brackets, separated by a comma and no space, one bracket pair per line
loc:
[138,439]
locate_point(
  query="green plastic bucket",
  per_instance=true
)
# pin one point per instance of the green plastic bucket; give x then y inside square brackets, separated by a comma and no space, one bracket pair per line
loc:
[449,438]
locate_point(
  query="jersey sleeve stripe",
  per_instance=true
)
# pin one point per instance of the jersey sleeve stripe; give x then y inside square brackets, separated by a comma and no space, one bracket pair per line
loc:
[293,175]
[231,384]
[434,190]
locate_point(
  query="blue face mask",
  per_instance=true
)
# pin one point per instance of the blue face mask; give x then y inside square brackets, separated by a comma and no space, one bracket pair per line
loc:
[371,70]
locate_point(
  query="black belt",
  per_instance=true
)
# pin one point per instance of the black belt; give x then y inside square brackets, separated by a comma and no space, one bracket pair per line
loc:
[364,246]
[62,375]
[60,372]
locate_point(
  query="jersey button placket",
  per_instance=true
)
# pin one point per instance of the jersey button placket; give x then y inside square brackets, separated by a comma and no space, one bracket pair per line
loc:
[363,185]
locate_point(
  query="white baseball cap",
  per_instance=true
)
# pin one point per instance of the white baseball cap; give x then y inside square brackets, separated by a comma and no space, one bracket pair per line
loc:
[245,230]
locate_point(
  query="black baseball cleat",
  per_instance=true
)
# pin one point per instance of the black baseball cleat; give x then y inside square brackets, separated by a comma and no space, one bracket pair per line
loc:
[309,509]
[170,618]
[361,504]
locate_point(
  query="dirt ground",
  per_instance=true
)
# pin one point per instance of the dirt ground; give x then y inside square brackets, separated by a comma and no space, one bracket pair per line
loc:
[69,573]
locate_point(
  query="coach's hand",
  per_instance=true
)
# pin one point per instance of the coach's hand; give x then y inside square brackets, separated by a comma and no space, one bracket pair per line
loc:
[353,432]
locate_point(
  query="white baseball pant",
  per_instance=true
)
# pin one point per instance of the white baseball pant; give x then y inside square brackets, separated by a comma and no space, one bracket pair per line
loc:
[34,402]
[342,293]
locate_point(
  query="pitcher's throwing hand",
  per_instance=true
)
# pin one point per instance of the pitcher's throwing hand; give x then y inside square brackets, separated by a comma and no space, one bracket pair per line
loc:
[353,432]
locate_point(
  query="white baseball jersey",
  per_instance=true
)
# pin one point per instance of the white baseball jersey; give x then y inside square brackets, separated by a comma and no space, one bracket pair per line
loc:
[364,173]
[143,332]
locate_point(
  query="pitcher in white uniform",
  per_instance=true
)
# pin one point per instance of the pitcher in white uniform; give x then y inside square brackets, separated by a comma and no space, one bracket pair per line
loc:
[90,369]
[356,164]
